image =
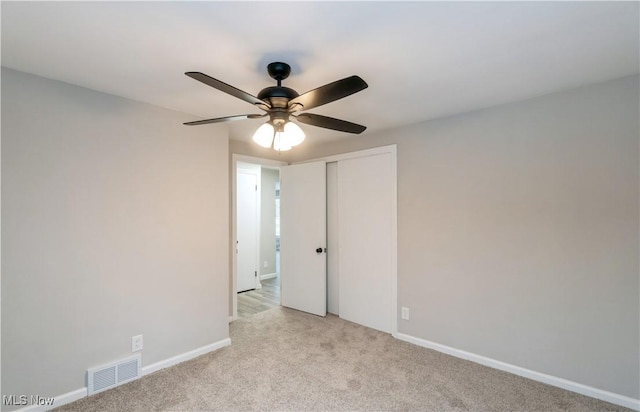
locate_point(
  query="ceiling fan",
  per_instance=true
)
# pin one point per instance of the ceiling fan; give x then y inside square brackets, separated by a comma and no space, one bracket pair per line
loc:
[283,103]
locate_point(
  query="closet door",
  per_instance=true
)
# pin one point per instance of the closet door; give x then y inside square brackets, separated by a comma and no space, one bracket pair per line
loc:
[366,195]
[303,231]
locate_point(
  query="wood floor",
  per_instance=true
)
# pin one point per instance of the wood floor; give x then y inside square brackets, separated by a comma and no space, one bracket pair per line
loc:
[258,300]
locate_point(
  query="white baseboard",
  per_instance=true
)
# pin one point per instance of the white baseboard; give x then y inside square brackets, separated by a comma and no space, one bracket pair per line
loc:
[268,276]
[82,392]
[185,356]
[230,319]
[606,396]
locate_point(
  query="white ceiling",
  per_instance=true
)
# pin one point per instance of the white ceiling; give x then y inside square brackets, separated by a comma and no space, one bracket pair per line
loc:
[422,60]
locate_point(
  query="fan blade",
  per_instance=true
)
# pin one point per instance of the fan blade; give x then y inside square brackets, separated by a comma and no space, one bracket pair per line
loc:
[329,93]
[223,87]
[330,123]
[225,119]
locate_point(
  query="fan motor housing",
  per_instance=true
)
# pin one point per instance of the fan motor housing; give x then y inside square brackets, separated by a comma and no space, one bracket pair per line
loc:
[277,96]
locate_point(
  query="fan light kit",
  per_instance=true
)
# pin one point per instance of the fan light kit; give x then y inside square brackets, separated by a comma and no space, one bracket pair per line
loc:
[282,103]
[281,137]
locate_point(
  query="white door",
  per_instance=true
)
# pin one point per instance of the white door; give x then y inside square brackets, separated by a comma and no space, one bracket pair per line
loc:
[366,198]
[247,230]
[303,231]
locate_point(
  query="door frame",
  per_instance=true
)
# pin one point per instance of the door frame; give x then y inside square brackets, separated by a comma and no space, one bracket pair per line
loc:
[235,158]
[391,149]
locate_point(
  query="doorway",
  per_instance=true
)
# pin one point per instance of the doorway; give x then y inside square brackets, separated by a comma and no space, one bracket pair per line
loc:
[265,291]
[255,280]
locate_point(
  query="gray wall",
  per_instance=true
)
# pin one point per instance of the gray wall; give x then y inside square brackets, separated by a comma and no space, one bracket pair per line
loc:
[269,177]
[518,232]
[114,223]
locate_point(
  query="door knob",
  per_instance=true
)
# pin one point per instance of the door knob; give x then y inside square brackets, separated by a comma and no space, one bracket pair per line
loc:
[319,250]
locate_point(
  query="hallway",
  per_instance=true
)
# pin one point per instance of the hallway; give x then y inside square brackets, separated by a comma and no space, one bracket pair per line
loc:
[259,300]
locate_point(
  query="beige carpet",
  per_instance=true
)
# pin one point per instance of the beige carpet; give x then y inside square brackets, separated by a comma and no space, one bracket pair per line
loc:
[287,360]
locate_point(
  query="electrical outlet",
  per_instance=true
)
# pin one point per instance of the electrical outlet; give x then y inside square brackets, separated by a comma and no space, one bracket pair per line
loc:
[405,313]
[136,343]
[266,264]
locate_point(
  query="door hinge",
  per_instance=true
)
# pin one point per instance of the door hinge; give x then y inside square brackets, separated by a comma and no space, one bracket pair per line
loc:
[256,188]
[255,273]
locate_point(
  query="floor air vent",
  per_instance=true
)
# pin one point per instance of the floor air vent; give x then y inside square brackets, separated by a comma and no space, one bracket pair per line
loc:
[113,374]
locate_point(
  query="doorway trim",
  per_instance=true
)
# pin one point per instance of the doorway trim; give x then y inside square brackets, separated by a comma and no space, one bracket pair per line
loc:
[391,149]
[235,158]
